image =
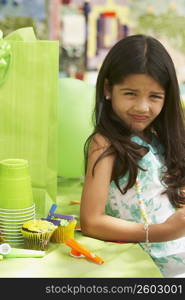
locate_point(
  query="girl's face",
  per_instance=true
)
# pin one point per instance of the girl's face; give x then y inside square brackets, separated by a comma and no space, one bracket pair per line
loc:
[137,100]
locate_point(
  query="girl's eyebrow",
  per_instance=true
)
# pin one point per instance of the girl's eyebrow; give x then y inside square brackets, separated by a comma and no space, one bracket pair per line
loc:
[159,93]
[128,89]
[135,90]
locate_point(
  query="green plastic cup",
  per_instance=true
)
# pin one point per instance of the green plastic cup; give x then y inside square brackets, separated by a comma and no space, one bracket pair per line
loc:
[16,216]
[15,242]
[15,184]
[15,211]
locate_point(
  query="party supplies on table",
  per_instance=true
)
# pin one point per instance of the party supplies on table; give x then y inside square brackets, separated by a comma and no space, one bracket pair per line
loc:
[5,248]
[65,225]
[56,218]
[16,199]
[6,251]
[37,234]
[24,253]
[78,250]
[64,231]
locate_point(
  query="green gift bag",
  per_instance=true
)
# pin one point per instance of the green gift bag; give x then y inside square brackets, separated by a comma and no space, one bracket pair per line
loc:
[28,108]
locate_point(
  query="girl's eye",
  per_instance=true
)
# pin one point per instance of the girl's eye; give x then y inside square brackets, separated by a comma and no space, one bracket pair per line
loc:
[156,97]
[129,94]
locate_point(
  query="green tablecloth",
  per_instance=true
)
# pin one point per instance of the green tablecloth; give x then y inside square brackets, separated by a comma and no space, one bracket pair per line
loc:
[121,260]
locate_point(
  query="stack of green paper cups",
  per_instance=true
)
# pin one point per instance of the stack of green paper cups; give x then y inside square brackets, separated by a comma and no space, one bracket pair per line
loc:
[16,199]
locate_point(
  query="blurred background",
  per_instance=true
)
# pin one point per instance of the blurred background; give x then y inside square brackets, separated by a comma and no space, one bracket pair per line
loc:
[88,29]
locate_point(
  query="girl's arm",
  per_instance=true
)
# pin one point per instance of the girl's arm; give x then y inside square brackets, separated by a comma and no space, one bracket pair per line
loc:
[93,220]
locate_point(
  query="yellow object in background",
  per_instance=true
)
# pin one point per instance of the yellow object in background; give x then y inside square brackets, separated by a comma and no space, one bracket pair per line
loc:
[122,12]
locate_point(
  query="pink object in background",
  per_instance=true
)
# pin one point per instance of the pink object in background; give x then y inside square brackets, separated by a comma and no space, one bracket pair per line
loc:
[54,19]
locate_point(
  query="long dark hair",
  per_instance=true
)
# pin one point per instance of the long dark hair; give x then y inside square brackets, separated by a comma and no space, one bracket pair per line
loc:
[140,54]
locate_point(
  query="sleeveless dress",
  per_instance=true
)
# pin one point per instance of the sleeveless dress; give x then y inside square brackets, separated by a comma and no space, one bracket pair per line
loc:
[169,256]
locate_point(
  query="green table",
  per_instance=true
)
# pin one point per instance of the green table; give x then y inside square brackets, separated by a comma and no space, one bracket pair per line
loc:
[121,260]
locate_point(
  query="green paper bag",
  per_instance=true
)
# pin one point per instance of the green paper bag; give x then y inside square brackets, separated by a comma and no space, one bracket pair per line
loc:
[28,109]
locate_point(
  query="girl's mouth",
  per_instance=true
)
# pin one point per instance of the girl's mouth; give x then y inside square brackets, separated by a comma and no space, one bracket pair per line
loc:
[139,117]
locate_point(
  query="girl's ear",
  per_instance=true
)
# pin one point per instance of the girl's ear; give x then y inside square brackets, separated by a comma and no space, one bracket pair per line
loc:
[107,90]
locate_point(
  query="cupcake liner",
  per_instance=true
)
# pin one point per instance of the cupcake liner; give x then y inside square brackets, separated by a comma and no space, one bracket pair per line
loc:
[36,241]
[63,233]
[37,234]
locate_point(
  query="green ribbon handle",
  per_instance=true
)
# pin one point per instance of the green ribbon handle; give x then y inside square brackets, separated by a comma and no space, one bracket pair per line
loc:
[5,60]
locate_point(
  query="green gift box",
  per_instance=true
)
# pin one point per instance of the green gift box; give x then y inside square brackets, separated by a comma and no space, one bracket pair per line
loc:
[28,106]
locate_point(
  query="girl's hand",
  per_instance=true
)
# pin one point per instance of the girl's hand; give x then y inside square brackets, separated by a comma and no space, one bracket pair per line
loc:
[175,224]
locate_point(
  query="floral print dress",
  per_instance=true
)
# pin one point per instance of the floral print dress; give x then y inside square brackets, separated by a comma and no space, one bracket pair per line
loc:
[169,256]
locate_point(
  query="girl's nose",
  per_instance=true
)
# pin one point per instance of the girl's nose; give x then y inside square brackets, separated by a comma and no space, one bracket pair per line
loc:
[142,106]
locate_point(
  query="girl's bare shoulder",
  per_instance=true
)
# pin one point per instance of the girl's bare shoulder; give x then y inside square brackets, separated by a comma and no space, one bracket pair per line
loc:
[98,142]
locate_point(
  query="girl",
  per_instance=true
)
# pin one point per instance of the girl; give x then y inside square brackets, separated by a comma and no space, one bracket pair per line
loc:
[135,158]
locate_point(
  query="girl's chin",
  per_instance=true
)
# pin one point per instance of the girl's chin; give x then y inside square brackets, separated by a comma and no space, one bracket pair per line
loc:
[137,128]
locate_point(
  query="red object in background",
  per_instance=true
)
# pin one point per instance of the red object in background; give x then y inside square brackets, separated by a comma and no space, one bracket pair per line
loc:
[108,14]
[66,2]
[79,75]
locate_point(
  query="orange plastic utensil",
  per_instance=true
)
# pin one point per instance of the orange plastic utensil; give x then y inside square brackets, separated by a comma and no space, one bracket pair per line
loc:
[83,250]
[75,253]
